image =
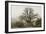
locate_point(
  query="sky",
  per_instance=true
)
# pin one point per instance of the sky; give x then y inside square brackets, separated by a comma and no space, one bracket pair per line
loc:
[17,10]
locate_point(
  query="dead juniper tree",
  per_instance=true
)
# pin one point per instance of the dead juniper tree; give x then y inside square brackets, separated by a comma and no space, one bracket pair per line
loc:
[28,12]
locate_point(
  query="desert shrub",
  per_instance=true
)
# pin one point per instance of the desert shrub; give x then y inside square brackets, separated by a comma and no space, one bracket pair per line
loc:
[19,24]
[38,23]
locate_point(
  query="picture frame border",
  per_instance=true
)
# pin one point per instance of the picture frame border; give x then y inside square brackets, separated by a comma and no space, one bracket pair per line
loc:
[6,16]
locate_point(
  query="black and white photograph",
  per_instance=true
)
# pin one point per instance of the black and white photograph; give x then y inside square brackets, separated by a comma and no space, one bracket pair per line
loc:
[24,16]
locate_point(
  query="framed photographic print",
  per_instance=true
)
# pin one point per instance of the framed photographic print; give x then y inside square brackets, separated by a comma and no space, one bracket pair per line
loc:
[24,16]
